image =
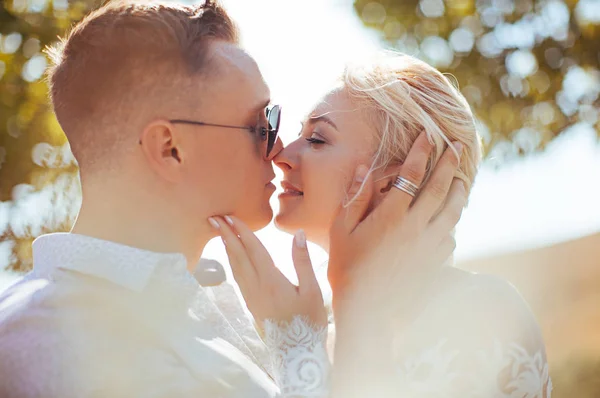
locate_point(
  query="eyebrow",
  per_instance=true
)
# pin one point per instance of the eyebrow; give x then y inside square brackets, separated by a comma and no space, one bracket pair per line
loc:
[258,109]
[322,118]
[262,106]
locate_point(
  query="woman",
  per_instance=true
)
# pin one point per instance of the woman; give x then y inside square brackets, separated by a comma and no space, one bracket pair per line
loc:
[426,330]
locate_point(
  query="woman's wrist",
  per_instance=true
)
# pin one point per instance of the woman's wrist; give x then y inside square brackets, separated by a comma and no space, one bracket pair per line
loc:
[360,310]
[363,363]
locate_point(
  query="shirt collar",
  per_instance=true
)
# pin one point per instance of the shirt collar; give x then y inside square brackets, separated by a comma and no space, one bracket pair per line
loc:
[124,265]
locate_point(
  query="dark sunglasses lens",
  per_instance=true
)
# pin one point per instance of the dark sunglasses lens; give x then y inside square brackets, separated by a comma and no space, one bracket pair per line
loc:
[274,118]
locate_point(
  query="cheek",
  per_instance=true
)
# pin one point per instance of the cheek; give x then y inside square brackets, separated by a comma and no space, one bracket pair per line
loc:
[251,174]
[326,183]
[226,178]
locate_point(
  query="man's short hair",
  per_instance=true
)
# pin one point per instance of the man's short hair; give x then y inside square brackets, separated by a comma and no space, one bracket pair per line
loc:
[125,59]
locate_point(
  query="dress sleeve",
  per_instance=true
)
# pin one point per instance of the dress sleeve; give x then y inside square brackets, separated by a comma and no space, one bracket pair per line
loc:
[299,357]
[484,342]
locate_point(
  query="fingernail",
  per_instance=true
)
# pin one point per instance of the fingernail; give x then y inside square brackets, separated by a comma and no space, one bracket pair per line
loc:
[361,173]
[459,147]
[229,220]
[300,239]
[213,222]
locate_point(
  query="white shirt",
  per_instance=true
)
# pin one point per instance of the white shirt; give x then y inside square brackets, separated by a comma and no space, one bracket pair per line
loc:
[100,319]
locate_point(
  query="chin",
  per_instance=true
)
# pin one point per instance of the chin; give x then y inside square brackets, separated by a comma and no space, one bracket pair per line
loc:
[285,223]
[315,233]
[257,219]
[315,226]
[264,221]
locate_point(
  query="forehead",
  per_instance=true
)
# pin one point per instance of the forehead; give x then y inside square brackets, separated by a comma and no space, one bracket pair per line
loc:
[237,80]
[346,115]
[334,103]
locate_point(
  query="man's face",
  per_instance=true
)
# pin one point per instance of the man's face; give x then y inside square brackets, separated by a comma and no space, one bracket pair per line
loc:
[226,170]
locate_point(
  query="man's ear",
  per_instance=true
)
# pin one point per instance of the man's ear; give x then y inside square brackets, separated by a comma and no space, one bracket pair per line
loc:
[160,147]
[384,180]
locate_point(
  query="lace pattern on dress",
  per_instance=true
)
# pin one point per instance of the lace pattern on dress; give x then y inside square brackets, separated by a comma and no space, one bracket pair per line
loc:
[299,357]
[500,371]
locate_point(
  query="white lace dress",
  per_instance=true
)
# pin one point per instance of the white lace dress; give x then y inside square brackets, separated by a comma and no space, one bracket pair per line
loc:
[475,340]
[293,354]
[299,358]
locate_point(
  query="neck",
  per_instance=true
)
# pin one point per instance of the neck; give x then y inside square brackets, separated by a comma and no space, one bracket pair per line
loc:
[138,223]
[321,240]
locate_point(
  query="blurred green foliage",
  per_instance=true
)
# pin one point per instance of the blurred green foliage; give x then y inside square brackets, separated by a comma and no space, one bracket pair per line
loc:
[528,68]
[26,119]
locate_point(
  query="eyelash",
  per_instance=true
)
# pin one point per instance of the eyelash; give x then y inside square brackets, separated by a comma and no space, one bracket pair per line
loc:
[315,141]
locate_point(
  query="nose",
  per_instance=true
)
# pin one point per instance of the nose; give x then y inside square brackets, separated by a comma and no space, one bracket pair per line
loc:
[277,147]
[287,157]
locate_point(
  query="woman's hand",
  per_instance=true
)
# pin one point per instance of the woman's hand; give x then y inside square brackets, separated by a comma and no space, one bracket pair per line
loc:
[267,292]
[387,254]
[381,261]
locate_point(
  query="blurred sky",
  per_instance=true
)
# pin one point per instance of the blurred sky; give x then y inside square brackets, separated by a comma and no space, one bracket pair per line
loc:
[301,47]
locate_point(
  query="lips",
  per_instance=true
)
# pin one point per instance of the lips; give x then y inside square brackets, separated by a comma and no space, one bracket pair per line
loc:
[270,182]
[289,188]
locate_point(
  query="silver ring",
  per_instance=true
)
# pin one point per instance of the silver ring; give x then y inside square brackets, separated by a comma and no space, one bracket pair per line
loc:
[406,186]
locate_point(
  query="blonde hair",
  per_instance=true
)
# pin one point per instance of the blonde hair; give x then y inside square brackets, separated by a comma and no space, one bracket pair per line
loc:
[400,96]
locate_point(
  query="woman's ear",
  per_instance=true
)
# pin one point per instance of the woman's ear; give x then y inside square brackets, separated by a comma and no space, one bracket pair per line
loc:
[384,180]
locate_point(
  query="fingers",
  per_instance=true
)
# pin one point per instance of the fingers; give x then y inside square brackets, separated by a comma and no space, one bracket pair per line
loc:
[357,203]
[450,214]
[445,250]
[442,252]
[253,264]
[241,266]
[259,256]
[396,202]
[412,281]
[307,279]
[434,259]
[434,193]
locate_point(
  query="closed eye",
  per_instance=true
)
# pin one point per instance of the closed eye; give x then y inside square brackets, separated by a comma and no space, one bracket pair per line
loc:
[315,141]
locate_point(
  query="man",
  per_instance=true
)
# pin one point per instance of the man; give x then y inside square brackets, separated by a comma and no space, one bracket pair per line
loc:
[169,121]
[118,82]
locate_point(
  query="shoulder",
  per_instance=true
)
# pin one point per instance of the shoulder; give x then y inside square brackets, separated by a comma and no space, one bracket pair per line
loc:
[479,309]
[479,293]
[477,337]
[60,343]
[43,317]
[22,299]
[50,298]
[30,340]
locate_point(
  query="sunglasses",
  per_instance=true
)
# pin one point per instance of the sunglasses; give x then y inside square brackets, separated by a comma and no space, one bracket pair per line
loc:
[268,134]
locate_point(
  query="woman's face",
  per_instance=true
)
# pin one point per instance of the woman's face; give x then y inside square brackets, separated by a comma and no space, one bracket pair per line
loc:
[318,167]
